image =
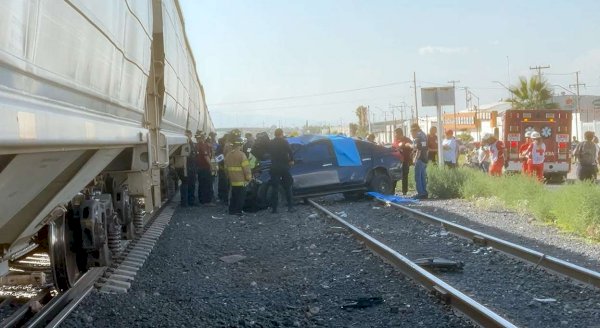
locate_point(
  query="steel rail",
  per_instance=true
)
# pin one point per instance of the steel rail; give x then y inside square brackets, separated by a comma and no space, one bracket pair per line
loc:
[554,264]
[21,314]
[61,305]
[448,294]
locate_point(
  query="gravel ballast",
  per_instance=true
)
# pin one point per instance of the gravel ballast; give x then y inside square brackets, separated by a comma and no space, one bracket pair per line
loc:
[291,269]
[526,296]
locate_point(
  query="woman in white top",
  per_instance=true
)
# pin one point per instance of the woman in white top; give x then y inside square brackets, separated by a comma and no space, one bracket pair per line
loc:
[450,149]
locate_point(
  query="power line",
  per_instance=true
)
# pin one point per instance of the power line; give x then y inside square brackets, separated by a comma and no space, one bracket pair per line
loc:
[309,95]
[302,106]
[539,69]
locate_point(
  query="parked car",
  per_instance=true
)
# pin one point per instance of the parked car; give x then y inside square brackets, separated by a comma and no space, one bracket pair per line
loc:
[333,164]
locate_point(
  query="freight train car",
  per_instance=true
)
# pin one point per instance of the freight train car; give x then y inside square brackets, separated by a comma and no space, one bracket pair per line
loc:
[95,98]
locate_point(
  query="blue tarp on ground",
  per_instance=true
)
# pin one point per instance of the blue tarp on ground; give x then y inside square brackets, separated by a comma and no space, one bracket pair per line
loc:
[344,147]
[392,198]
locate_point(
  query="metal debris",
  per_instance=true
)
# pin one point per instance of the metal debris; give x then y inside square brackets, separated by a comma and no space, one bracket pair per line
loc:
[441,264]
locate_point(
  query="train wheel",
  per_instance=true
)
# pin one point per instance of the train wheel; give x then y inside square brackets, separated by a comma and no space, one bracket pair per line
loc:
[62,255]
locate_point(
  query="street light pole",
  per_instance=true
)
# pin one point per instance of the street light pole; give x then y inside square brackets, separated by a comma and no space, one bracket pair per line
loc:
[416,106]
[577,84]
[454,90]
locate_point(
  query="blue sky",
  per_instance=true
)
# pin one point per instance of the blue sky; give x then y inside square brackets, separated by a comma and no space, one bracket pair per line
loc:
[254,50]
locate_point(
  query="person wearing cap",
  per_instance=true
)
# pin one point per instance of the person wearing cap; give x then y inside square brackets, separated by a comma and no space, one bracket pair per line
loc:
[523,152]
[536,156]
[282,158]
[238,172]
[204,170]
[496,149]
[404,145]
[450,150]
[420,149]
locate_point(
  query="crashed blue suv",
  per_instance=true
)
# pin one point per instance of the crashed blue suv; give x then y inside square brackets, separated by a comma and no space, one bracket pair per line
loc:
[334,164]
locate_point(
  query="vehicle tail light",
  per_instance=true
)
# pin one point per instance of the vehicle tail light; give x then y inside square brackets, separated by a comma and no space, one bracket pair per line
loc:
[562,145]
[513,144]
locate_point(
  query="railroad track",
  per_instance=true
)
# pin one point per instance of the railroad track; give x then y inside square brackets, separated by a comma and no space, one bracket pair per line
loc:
[478,242]
[47,308]
[549,262]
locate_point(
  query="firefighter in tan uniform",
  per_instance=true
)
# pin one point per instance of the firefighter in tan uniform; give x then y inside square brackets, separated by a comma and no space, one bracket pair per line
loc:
[238,172]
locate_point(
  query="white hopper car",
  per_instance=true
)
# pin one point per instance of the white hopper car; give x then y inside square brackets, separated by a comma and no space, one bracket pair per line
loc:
[95,99]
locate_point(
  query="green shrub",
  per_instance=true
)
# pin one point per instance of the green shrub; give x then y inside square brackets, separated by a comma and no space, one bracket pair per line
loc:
[577,208]
[478,184]
[445,183]
[571,207]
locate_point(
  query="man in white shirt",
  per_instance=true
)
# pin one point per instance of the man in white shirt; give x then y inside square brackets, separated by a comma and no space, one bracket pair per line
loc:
[450,149]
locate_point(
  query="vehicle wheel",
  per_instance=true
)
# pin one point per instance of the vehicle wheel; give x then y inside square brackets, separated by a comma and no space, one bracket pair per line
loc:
[381,183]
[353,195]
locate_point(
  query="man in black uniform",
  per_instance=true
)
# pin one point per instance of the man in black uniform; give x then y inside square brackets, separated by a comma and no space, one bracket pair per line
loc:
[281,160]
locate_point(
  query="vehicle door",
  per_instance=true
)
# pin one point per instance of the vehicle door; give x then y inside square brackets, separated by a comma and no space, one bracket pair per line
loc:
[356,175]
[315,168]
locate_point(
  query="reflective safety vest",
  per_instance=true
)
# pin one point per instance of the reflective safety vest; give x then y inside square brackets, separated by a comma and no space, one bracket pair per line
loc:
[237,168]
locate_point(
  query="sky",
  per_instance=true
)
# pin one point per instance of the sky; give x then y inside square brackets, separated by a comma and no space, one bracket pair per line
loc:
[288,63]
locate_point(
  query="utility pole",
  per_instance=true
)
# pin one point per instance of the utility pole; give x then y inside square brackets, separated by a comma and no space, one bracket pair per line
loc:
[578,109]
[416,106]
[539,69]
[454,90]
[368,119]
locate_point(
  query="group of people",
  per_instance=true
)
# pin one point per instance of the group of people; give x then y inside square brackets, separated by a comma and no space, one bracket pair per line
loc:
[532,153]
[229,162]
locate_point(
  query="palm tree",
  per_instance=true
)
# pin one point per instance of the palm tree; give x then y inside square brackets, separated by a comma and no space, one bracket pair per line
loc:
[532,94]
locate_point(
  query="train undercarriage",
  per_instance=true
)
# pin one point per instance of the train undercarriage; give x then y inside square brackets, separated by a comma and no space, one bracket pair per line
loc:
[92,228]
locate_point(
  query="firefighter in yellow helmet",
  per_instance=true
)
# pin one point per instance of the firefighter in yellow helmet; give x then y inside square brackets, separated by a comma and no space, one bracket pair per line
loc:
[238,172]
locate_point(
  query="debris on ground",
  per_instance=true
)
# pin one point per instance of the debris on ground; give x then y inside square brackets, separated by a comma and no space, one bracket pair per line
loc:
[342,214]
[441,264]
[232,258]
[362,302]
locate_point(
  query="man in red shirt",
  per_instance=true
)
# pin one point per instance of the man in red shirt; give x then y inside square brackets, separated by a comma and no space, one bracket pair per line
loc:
[432,145]
[404,145]
[523,152]
[496,153]
[205,185]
